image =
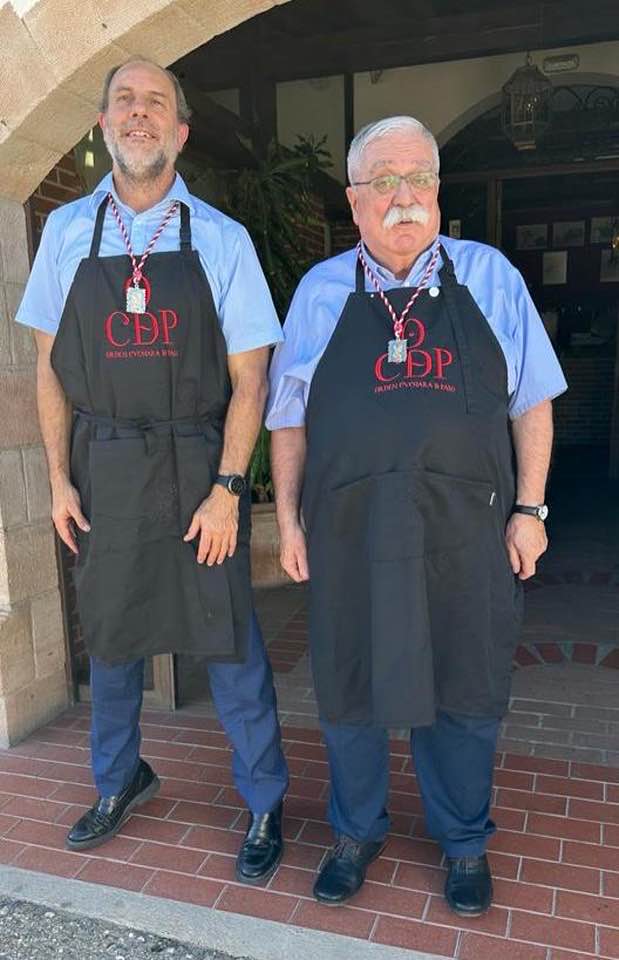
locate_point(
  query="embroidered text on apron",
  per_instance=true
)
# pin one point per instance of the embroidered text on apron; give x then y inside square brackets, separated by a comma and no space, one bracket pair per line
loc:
[150,393]
[409,482]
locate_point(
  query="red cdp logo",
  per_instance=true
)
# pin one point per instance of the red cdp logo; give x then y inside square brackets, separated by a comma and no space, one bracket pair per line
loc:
[419,363]
[140,329]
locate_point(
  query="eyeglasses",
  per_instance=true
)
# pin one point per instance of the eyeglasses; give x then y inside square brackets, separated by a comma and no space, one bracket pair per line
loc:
[389,182]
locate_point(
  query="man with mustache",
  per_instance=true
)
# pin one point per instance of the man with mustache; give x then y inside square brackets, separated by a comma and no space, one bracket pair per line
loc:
[153,324]
[415,371]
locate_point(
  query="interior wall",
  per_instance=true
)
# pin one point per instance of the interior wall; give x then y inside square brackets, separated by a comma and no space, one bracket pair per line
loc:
[314,108]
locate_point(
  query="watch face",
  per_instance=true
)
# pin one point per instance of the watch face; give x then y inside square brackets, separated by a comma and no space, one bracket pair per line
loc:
[236,485]
[542,512]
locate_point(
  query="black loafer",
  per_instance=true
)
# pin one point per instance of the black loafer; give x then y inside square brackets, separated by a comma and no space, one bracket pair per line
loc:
[262,847]
[105,819]
[344,870]
[468,888]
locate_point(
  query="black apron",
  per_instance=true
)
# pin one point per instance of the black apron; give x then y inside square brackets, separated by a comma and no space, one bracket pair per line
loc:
[150,393]
[408,486]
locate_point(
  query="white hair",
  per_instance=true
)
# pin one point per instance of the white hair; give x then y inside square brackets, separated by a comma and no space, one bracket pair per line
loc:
[380,128]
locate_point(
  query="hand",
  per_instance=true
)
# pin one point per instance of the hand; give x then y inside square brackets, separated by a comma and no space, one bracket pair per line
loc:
[217,522]
[66,511]
[526,541]
[293,552]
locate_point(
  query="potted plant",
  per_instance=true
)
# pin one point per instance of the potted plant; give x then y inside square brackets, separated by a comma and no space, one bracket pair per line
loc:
[274,200]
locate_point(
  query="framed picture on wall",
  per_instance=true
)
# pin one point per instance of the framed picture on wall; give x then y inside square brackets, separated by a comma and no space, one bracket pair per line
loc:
[602,229]
[532,236]
[609,267]
[554,268]
[568,233]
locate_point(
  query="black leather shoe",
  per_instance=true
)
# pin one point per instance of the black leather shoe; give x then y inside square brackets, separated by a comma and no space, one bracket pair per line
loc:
[468,888]
[344,871]
[102,821]
[262,847]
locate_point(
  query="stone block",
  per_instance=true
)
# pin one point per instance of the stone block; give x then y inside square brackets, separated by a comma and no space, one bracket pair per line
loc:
[16,654]
[48,634]
[23,350]
[5,338]
[13,503]
[19,422]
[67,36]
[87,80]
[25,78]
[60,121]
[119,17]
[24,165]
[30,558]
[217,16]
[165,37]
[14,258]
[37,483]
[39,703]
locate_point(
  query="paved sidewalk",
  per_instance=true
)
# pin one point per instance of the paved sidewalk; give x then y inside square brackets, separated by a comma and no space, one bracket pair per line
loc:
[556,798]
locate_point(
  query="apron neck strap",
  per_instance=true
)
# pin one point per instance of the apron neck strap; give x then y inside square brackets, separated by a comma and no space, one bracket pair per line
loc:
[184,232]
[359,277]
[96,237]
[447,272]
[185,229]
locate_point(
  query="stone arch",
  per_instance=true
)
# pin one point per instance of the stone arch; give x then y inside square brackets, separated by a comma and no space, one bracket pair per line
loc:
[492,100]
[55,55]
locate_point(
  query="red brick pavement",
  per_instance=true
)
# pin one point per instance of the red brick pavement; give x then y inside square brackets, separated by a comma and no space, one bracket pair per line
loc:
[555,857]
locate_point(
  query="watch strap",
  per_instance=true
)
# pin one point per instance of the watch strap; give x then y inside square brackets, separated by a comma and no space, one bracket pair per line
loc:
[539,511]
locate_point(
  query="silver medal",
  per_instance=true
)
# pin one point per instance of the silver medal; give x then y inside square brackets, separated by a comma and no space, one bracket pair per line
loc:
[396,351]
[136,300]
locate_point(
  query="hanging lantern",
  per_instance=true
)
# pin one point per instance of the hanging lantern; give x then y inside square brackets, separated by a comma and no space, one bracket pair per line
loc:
[526,106]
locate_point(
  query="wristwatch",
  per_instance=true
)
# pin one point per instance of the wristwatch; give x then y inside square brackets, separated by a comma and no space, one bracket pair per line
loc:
[233,482]
[540,511]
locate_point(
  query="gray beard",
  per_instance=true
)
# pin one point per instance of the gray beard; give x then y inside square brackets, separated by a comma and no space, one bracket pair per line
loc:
[143,173]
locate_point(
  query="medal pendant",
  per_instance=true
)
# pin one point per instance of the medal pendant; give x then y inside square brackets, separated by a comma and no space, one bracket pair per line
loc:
[136,300]
[396,351]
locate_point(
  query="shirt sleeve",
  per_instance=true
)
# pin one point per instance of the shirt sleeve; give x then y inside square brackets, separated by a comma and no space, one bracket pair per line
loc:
[293,364]
[43,301]
[538,373]
[248,317]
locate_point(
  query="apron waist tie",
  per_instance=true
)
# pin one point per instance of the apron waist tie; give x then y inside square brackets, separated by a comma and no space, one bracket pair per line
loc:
[143,424]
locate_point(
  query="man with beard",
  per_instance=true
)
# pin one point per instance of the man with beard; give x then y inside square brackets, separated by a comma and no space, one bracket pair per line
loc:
[153,324]
[397,417]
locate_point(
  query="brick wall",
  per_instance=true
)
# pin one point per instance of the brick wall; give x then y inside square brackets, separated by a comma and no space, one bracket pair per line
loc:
[61,185]
[583,414]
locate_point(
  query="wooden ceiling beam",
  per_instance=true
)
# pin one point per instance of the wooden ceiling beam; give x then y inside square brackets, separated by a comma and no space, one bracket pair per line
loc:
[500,29]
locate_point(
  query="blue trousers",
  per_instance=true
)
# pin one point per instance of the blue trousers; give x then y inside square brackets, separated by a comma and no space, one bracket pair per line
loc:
[454,762]
[245,701]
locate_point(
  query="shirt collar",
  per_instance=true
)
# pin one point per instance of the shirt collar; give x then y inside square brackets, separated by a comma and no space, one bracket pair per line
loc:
[414,274]
[178,191]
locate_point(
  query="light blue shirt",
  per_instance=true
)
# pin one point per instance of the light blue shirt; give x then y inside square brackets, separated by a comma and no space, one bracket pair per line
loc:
[242,298]
[533,371]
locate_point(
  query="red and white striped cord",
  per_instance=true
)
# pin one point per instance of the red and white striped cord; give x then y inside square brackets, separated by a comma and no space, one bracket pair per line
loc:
[137,267]
[398,322]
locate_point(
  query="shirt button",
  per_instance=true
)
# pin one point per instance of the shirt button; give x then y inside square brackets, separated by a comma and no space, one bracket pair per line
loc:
[433,291]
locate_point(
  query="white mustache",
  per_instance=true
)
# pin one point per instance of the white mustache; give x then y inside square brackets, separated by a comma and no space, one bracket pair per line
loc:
[414,213]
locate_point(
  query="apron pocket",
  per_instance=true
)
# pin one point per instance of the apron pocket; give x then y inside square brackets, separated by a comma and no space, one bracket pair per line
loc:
[378,515]
[456,511]
[134,493]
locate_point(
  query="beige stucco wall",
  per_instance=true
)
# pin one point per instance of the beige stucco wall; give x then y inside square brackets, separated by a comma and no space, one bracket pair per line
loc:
[55,54]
